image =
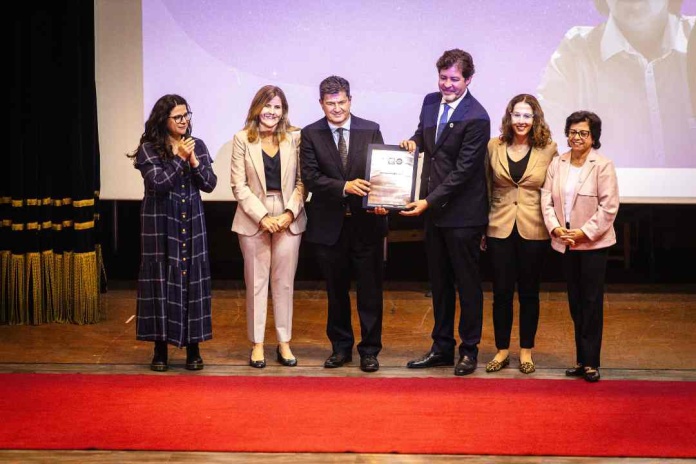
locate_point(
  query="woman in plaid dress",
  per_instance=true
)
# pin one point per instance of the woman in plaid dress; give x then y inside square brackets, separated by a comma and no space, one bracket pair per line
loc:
[174,301]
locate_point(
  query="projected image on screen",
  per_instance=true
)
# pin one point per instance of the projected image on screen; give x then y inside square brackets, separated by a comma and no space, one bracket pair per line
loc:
[631,70]
[387,50]
[691,70]
[625,60]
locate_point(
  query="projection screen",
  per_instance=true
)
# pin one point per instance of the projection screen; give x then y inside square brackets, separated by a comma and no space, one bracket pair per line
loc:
[572,54]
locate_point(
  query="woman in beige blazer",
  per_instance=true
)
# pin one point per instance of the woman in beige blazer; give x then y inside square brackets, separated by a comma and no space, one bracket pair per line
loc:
[270,217]
[516,240]
[580,200]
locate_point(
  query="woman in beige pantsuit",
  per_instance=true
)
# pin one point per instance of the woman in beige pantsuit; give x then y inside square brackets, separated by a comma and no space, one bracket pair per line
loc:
[270,217]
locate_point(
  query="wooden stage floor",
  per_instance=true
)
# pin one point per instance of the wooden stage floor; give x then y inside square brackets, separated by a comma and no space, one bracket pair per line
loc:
[648,335]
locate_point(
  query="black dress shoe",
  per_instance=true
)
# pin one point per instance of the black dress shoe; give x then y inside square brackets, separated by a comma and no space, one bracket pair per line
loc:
[591,374]
[369,363]
[159,360]
[431,359]
[577,371]
[337,360]
[290,362]
[466,365]
[194,362]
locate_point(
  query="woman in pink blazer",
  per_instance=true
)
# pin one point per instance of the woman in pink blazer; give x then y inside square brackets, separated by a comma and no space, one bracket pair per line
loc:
[270,217]
[517,240]
[579,201]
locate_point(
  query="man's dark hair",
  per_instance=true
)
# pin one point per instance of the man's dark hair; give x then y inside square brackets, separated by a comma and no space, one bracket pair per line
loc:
[332,85]
[460,58]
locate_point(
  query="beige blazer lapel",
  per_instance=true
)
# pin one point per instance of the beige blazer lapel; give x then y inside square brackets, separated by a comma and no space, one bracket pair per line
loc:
[503,160]
[533,160]
[257,161]
[286,151]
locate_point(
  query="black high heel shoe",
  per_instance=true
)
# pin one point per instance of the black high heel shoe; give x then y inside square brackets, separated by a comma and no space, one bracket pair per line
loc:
[159,360]
[290,362]
[260,364]
[194,362]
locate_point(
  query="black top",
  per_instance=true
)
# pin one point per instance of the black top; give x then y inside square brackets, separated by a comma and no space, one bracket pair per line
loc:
[271,167]
[517,168]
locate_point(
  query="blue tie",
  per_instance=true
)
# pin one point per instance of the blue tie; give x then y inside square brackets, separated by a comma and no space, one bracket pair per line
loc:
[443,122]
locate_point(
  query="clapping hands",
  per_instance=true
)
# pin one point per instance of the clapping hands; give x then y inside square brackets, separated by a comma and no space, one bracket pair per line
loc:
[185,151]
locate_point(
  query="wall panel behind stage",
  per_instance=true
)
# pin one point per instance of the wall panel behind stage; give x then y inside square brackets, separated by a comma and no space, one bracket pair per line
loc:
[218,53]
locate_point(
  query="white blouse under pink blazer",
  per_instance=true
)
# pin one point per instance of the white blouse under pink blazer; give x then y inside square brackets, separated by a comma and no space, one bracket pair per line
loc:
[595,202]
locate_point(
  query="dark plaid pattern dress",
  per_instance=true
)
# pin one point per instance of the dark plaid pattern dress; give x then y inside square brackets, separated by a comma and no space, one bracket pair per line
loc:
[174,280]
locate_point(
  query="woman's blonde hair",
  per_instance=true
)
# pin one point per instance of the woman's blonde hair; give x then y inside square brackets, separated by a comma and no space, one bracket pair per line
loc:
[262,97]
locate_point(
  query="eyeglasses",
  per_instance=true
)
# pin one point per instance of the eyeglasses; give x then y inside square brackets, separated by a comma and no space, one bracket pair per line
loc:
[179,118]
[583,134]
[522,116]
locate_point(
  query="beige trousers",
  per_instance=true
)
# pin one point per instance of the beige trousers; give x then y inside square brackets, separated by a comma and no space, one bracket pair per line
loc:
[270,258]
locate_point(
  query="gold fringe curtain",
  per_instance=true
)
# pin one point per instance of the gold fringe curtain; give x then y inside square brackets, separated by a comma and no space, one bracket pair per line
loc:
[50,286]
[50,256]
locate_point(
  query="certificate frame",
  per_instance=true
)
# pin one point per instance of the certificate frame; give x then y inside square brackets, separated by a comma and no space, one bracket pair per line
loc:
[393,173]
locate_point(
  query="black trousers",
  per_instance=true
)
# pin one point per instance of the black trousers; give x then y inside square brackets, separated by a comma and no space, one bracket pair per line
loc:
[353,254]
[516,261]
[453,263]
[585,272]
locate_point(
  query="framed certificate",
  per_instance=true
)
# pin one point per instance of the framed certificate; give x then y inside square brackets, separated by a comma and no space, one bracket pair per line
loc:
[392,173]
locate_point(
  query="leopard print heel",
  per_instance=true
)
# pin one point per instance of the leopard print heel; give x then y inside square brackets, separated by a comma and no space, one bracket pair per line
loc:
[495,366]
[527,367]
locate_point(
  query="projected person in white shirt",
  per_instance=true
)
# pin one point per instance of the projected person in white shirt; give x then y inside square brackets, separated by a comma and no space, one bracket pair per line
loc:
[632,69]
[691,70]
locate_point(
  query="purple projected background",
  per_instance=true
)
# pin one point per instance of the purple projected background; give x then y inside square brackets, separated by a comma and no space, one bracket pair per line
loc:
[217,53]
[374,43]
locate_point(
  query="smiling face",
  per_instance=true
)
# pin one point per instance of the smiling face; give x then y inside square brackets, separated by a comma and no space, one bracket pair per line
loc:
[336,107]
[522,119]
[579,137]
[177,129]
[270,114]
[452,84]
[639,15]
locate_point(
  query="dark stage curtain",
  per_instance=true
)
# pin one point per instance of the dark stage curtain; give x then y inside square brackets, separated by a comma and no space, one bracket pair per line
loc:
[51,266]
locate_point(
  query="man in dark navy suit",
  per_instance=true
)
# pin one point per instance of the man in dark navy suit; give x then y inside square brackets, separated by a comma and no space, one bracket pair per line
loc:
[453,132]
[346,237]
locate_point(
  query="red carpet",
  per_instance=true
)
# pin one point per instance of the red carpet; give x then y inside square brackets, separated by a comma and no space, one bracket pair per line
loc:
[367,415]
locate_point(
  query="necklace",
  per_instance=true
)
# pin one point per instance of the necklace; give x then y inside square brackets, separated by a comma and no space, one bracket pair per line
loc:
[578,159]
[578,162]
[517,152]
[519,147]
